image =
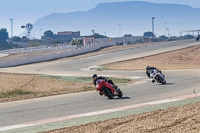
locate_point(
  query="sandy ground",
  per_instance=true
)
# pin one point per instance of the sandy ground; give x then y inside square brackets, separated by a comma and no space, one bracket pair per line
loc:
[184,119]
[40,85]
[188,58]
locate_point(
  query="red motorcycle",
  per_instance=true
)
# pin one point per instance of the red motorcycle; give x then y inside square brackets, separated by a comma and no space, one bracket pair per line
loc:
[108,90]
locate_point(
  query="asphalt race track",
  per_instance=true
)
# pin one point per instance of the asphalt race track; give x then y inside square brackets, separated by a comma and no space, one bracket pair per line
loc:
[179,83]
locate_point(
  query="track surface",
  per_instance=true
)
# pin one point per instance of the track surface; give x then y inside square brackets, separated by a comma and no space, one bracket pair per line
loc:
[178,83]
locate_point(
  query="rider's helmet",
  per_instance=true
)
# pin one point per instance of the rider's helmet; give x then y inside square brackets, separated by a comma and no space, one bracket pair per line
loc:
[94,76]
[147,67]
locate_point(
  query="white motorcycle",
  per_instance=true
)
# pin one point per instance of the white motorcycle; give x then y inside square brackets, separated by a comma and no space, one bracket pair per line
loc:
[157,76]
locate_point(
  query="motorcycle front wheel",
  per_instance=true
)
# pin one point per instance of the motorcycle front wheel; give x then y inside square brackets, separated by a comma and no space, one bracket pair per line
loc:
[108,93]
[120,94]
[164,82]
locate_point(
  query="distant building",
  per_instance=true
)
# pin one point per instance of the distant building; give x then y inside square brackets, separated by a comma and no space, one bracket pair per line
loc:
[68,35]
[119,40]
[147,39]
[88,40]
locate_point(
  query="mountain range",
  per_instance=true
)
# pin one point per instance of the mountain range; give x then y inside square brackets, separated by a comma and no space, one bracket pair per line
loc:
[118,18]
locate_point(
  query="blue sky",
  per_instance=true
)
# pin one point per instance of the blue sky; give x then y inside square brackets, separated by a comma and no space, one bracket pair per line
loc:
[28,11]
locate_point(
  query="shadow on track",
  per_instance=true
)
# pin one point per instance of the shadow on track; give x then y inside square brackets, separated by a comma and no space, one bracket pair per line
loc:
[166,84]
[169,84]
[120,98]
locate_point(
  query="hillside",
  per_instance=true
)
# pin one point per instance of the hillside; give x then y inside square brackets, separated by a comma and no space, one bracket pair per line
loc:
[134,17]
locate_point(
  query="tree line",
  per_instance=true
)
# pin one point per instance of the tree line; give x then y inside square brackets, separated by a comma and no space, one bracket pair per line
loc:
[50,38]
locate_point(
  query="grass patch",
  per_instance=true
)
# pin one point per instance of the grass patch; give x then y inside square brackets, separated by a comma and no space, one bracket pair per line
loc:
[89,88]
[14,93]
[121,81]
[100,68]
[72,79]
[117,81]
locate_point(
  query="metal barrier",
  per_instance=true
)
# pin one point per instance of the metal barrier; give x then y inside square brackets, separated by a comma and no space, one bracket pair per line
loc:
[49,53]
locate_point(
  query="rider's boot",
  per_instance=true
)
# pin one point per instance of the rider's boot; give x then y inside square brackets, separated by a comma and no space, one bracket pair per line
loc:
[116,87]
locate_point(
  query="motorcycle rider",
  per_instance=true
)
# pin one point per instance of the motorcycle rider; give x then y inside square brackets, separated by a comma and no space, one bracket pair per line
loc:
[198,37]
[149,69]
[97,79]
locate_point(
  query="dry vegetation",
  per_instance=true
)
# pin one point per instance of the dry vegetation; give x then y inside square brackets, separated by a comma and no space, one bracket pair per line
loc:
[184,119]
[25,86]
